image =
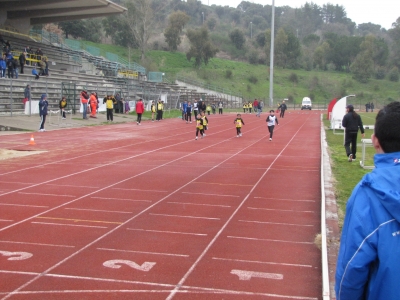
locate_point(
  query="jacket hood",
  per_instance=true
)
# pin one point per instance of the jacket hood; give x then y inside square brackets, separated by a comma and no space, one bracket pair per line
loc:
[385,182]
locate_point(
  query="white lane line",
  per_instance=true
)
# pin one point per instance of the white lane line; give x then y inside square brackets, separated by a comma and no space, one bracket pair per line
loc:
[189,290]
[104,198]
[276,223]
[133,217]
[37,244]
[203,194]
[75,186]
[23,205]
[186,203]
[72,225]
[155,191]
[144,252]
[101,210]
[267,240]
[165,231]
[2,220]
[42,194]
[241,204]
[278,199]
[263,262]
[179,216]
[285,210]
[16,182]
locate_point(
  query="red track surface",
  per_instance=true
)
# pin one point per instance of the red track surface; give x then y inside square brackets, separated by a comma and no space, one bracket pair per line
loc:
[127,211]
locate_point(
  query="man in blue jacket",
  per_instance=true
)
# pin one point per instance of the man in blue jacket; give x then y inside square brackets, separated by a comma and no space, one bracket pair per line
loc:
[368,264]
[43,104]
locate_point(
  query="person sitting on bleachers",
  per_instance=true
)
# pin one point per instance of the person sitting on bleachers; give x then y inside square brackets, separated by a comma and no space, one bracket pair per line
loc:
[35,73]
[41,66]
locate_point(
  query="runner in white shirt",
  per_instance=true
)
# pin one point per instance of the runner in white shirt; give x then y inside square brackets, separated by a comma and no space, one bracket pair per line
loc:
[271,120]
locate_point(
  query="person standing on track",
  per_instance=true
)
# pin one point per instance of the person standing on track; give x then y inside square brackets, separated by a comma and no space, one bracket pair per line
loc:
[271,120]
[368,264]
[93,105]
[351,122]
[199,127]
[43,104]
[184,106]
[189,112]
[195,108]
[255,105]
[84,101]
[160,107]
[259,108]
[109,101]
[139,111]
[282,108]
[220,107]
[238,122]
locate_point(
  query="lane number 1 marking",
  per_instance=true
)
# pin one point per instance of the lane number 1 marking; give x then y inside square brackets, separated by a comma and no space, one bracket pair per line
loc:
[247,275]
[116,264]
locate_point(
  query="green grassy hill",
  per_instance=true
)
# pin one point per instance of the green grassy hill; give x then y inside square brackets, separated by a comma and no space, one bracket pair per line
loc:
[252,81]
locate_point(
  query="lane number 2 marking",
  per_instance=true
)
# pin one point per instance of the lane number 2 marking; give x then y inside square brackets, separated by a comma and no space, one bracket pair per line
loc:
[116,264]
[16,255]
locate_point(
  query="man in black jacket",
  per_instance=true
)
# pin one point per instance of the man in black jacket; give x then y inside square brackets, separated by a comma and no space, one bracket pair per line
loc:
[351,122]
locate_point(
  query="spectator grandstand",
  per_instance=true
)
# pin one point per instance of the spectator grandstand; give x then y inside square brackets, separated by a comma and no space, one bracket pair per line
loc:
[72,69]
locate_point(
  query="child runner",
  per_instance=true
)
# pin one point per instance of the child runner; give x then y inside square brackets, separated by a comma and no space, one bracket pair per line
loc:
[199,127]
[238,122]
[153,110]
[189,112]
[63,105]
[205,122]
[271,120]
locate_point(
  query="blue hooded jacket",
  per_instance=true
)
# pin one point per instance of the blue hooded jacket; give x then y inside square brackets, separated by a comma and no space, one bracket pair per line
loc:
[43,105]
[368,264]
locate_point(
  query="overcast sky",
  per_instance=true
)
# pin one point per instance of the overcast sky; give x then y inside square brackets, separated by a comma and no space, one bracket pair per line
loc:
[382,12]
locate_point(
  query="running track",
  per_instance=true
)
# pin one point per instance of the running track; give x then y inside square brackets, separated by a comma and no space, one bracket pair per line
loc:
[126,211]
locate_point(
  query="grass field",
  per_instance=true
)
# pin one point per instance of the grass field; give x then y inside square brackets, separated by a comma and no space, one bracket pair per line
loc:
[346,174]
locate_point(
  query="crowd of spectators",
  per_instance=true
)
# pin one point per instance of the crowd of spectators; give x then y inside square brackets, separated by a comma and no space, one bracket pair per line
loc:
[9,64]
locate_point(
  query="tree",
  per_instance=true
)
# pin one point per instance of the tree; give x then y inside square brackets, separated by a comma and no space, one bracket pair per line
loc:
[394,33]
[201,48]
[237,38]
[211,23]
[142,17]
[281,42]
[118,29]
[89,29]
[363,67]
[177,22]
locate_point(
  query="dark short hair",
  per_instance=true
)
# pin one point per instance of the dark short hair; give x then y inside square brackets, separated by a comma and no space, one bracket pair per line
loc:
[387,127]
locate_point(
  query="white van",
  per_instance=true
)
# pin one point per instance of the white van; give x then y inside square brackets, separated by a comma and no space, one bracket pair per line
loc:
[306,103]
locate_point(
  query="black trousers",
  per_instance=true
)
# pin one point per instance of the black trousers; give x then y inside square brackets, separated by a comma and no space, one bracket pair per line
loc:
[159,115]
[282,113]
[220,111]
[109,114]
[238,130]
[199,130]
[139,118]
[351,139]
[189,117]
[271,131]
[42,121]
[196,112]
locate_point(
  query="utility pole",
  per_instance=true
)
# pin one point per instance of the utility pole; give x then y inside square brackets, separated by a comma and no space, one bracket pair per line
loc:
[271,68]
[251,30]
[203,16]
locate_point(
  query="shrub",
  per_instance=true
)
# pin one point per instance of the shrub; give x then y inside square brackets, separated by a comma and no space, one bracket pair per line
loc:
[253,79]
[228,74]
[253,57]
[380,73]
[293,78]
[394,74]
